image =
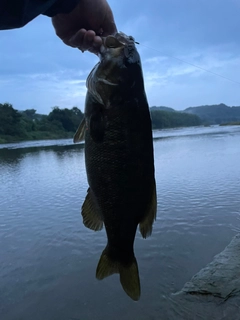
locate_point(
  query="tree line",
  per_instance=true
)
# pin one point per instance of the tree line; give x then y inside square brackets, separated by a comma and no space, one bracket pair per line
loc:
[62,123]
[162,119]
[216,114]
[29,125]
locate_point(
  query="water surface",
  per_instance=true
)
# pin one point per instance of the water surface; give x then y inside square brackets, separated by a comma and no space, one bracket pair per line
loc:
[48,258]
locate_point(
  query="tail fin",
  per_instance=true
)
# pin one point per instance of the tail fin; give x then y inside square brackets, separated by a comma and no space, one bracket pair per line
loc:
[129,276]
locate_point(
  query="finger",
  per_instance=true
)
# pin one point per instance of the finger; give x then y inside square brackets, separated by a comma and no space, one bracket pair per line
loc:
[95,47]
[76,40]
[88,40]
[97,41]
[83,39]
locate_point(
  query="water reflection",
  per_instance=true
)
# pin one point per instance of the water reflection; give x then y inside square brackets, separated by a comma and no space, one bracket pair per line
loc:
[37,144]
[13,157]
[48,258]
[8,158]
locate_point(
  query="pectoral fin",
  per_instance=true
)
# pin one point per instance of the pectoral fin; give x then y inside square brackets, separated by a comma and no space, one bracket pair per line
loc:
[91,213]
[80,133]
[147,222]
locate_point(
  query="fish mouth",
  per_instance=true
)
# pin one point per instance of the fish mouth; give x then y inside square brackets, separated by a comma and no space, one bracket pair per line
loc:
[117,41]
[113,42]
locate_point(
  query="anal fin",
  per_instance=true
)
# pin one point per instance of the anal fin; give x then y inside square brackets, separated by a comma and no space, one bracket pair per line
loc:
[91,213]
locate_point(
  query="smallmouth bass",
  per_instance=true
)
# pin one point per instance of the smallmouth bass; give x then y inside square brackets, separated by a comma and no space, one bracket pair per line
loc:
[119,158]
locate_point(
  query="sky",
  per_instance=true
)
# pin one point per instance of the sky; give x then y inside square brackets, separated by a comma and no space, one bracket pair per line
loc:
[38,71]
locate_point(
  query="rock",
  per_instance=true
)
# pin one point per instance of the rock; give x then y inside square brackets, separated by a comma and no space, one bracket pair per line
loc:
[221,277]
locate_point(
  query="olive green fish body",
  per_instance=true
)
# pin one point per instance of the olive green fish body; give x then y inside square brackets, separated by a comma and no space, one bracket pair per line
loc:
[120,165]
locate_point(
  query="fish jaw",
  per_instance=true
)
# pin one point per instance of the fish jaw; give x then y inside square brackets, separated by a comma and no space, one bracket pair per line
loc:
[112,74]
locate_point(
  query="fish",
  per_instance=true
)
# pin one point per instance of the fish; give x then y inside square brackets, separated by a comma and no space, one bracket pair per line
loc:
[119,158]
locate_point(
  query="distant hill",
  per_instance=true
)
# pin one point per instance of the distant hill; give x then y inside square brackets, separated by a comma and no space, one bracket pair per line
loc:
[162,119]
[216,114]
[162,109]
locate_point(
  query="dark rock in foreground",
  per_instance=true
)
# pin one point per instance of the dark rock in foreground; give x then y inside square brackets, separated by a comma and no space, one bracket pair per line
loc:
[221,277]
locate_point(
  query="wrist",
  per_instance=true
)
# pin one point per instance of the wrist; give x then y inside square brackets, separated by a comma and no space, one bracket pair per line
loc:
[61,7]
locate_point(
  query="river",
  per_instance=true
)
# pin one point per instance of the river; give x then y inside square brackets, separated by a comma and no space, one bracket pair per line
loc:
[48,258]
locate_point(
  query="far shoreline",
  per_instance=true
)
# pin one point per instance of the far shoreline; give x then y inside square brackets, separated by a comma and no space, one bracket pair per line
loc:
[49,141]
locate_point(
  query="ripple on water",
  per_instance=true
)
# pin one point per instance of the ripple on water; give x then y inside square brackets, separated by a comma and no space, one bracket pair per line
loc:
[48,258]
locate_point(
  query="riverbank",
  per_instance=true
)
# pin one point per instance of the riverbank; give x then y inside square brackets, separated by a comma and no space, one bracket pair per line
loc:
[35,136]
[236,123]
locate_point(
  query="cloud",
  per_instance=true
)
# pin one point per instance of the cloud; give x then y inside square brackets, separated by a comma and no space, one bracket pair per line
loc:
[38,70]
[171,82]
[134,27]
[43,91]
[195,64]
[167,81]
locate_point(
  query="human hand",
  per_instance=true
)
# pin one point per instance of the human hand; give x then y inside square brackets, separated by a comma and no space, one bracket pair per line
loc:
[83,27]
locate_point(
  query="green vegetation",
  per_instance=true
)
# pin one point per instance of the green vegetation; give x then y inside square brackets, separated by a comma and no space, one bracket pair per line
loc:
[210,114]
[216,114]
[154,108]
[28,125]
[62,123]
[171,119]
[236,123]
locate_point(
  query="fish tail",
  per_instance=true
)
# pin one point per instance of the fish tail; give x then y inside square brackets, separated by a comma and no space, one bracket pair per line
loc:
[129,276]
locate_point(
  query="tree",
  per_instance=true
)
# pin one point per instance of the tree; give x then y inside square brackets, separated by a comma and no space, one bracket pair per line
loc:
[30,113]
[168,119]
[9,120]
[21,125]
[69,119]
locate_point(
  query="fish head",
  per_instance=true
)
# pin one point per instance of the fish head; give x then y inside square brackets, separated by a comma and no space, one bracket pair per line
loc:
[117,71]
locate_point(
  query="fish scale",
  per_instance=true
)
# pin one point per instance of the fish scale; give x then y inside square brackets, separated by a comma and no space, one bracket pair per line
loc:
[119,158]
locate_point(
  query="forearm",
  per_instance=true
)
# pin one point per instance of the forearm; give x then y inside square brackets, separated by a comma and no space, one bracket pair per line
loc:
[17,13]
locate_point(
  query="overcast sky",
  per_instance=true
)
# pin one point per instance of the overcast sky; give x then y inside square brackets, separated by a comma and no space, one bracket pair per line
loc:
[38,71]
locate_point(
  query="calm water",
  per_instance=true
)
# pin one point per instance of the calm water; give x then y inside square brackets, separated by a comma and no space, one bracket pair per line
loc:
[48,258]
